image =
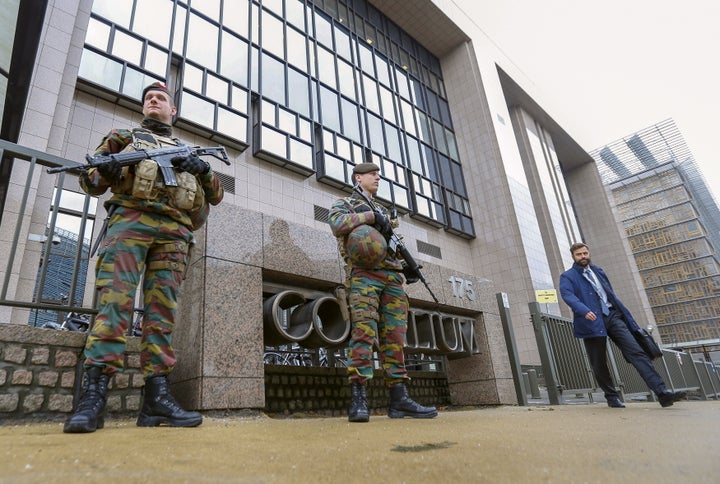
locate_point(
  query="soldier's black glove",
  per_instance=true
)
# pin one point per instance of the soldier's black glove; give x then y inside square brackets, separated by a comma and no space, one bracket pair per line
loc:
[191,164]
[110,171]
[382,224]
[411,276]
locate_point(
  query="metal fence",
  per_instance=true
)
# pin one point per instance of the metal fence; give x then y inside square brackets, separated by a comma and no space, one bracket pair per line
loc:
[566,368]
[36,256]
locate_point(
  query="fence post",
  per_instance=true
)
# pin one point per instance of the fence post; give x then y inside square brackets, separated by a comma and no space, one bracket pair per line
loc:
[545,350]
[504,308]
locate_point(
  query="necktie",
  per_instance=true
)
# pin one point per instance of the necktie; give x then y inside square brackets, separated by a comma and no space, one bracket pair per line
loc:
[598,289]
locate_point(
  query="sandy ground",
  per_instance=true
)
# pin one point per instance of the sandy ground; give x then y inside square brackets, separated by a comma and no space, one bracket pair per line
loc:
[567,443]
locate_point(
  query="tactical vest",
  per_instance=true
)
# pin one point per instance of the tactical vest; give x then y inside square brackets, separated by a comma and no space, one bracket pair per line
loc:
[144,180]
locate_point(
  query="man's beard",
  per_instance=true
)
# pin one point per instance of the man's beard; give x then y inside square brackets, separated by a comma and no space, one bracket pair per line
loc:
[584,262]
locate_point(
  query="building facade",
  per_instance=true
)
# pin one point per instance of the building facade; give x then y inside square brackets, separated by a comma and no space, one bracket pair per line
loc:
[673,227]
[490,189]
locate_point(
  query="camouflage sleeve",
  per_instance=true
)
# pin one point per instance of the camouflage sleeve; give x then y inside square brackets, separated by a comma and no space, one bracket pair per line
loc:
[343,219]
[212,187]
[91,182]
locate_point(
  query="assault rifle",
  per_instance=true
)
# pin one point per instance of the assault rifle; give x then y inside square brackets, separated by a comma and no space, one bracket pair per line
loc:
[162,156]
[411,269]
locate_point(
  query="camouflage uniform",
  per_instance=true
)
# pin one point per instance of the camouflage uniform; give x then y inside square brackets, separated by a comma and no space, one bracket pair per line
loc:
[378,302]
[148,239]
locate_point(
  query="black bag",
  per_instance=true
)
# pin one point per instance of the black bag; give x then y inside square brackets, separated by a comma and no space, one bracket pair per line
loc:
[647,343]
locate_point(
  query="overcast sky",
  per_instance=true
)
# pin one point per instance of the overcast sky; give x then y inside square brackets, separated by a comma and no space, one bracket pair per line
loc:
[604,70]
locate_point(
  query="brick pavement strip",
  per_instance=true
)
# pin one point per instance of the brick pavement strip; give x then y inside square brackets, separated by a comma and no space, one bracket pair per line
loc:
[567,443]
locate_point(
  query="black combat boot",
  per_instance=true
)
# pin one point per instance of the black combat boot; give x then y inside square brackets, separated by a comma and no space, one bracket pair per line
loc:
[358,405]
[88,415]
[159,407]
[401,405]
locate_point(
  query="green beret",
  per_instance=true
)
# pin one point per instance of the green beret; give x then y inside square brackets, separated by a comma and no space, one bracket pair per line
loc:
[362,168]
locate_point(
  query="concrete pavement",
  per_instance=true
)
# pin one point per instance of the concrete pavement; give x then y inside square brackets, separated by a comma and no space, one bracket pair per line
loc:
[534,444]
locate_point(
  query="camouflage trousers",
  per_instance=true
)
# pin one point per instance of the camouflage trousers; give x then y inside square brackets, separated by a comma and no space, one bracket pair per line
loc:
[138,245]
[378,310]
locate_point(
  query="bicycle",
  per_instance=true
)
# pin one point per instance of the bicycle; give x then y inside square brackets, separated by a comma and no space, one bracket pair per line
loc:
[73,321]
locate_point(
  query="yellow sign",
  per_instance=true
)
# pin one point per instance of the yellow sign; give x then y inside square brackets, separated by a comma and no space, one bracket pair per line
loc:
[546,296]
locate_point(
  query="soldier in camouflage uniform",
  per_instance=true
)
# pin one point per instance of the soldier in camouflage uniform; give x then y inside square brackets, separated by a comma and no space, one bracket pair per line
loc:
[378,305]
[149,233]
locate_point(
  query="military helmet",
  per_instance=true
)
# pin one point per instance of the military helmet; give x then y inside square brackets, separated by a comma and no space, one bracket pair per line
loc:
[366,247]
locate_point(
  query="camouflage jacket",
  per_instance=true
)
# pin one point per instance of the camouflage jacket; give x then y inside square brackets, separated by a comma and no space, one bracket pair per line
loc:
[350,212]
[116,141]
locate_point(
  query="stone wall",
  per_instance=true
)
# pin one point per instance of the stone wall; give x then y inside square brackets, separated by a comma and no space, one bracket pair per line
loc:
[38,370]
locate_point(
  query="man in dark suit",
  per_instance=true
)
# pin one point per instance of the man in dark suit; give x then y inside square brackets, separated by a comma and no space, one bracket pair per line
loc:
[599,314]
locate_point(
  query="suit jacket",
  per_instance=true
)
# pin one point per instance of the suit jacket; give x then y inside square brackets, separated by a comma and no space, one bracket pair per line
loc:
[580,295]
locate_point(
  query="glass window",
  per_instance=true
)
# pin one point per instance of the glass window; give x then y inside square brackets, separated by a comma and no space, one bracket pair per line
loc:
[388,106]
[127,48]
[408,119]
[393,143]
[274,142]
[375,134]
[439,132]
[304,129]
[343,44]
[134,82]
[274,5]
[273,79]
[203,40]
[239,99]
[273,35]
[422,122]
[287,121]
[193,78]
[371,96]
[232,124]
[100,70]
[217,89]
[326,67]
[347,79]
[146,23]
[211,8]
[329,107]
[156,61]
[296,49]
[299,94]
[234,59]
[178,45]
[98,35]
[366,60]
[383,73]
[235,17]
[323,30]
[117,11]
[295,13]
[402,83]
[268,112]
[301,153]
[351,126]
[197,110]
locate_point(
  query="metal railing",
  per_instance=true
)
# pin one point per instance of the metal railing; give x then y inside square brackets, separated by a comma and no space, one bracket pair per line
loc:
[566,367]
[25,221]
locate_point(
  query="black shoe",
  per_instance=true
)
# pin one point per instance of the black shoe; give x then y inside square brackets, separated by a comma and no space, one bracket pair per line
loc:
[668,398]
[615,402]
[401,405]
[89,414]
[358,404]
[159,407]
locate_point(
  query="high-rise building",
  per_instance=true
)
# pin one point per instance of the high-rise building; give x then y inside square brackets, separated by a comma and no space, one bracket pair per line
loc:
[672,223]
[490,189]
